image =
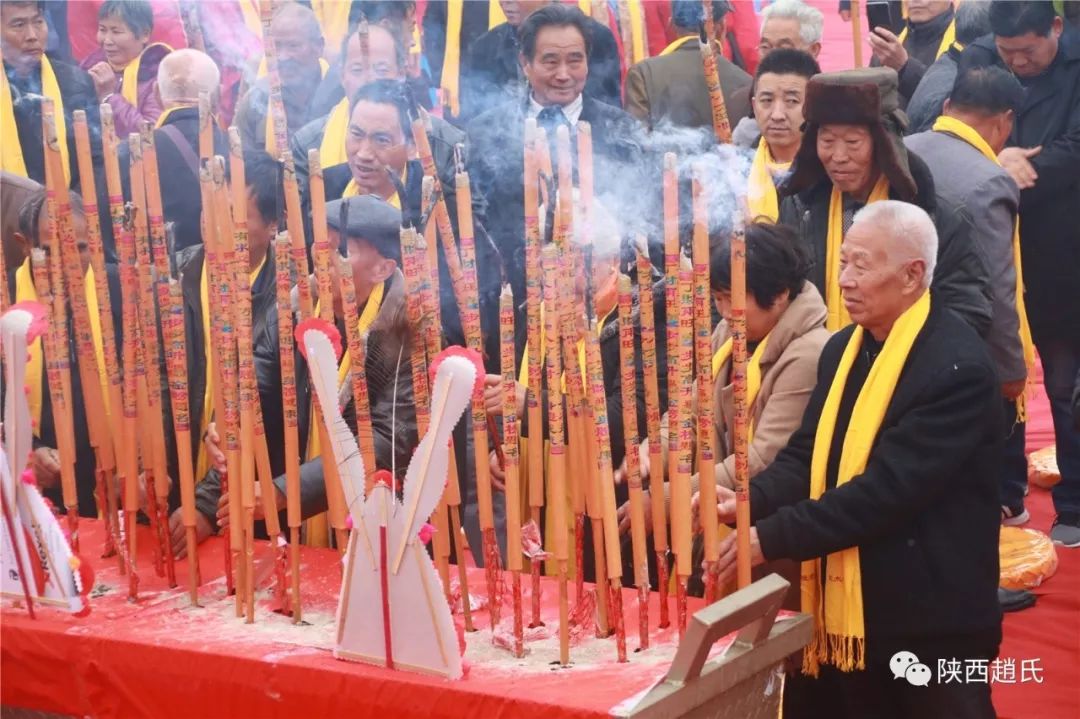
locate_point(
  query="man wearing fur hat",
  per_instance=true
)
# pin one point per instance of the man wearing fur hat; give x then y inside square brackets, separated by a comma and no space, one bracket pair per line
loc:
[853,154]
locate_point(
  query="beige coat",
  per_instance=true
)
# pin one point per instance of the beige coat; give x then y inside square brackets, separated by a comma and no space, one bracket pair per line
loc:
[788,375]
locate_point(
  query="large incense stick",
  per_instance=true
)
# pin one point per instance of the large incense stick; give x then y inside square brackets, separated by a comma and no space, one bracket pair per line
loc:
[856,32]
[556,453]
[682,430]
[510,455]
[470,320]
[128,457]
[739,360]
[535,454]
[721,125]
[579,436]
[277,144]
[671,291]
[627,355]
[335,493]
[703,359]
[112,392]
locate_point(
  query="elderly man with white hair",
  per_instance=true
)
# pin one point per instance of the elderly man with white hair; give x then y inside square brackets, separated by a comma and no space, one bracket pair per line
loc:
[887,493]
[182,75]
[791,24]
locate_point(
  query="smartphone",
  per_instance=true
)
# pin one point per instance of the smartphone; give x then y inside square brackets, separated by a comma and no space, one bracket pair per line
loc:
[878,14]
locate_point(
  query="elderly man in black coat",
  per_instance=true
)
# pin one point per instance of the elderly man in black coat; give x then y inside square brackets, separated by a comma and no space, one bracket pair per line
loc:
[1043,156]
[853,154]
[555,46]
[888,492]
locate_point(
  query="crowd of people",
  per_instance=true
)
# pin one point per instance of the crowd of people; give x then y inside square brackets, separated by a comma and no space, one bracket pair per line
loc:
[910,249]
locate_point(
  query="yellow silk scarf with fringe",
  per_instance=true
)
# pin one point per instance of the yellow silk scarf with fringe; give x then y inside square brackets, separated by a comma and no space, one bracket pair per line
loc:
[839,629]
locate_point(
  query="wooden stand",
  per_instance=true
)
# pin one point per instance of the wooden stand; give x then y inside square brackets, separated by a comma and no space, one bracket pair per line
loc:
[745,681]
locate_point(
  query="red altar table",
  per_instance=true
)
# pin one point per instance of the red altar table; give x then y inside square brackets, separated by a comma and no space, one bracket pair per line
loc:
[161,657]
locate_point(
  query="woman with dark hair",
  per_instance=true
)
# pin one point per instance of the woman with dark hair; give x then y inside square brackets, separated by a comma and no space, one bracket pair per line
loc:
[124,68]
[785,331]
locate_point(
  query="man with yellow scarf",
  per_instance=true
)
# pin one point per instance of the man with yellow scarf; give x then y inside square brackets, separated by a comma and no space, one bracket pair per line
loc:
[887,493]
[28,75]
[44,460]
[928,34]
[962,151]
[852,155]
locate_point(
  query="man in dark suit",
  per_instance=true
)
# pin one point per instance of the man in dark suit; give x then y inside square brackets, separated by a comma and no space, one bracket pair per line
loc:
[492,71]
[672,86]
[554,53]
[888,491]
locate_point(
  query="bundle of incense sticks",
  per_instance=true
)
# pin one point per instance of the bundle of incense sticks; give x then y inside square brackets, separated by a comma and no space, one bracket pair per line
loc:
[739,359]
[652,421]
[413,312]
[598,398]
[721,125]
[585,187]
[533,294]
[128,443]
[470,321]
[335,493]
[112,398]
[290,414]
[512,479]
[365,435]
[152,435]
[556,460]
[671,291]
[628,376]
[683,431]
[703,359]
[65,257]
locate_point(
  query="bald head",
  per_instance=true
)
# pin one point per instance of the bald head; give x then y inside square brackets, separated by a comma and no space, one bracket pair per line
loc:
[183,74]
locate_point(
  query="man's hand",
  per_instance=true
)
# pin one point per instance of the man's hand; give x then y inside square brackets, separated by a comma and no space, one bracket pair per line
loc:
[725,507]
[213,450]
[143,489]
[104,79]
[498,474]
[1017,162]
[643,464]
[493,396]
[845,15]
[727,566]
[887,48]
[223,506]
[45,462]
[623,515]
[1012,390]
[178,533]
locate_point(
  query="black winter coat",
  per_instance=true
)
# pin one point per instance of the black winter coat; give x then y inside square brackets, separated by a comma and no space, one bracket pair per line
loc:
[924,514]
[1049,232]
[961,281]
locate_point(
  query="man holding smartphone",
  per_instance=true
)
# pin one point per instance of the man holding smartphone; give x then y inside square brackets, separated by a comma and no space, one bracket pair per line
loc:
[929,32]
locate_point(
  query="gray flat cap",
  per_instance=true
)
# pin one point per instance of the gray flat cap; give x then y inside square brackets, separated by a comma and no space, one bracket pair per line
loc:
[371,219]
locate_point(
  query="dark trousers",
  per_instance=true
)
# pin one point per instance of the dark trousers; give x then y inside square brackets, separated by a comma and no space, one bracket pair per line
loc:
[875,694]
[1013,459]
[1061,363]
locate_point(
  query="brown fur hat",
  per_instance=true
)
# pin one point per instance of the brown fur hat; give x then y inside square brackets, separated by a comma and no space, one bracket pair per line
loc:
[865,96]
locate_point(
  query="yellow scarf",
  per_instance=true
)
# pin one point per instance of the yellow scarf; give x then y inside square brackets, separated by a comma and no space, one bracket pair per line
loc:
[838,317]
[11,154]
[367,317]
[761,189]
[450,83]
[839,632]
[129,86]
[271,141]
[352,190]
[250,10]
[969,135]
[164,116]
[677,44]
[25,292]
[332,147]
[333,16]
[946,40]
[202,464]
[753,373]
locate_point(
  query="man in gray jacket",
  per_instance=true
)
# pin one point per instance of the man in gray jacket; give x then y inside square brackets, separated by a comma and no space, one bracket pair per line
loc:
[980,110]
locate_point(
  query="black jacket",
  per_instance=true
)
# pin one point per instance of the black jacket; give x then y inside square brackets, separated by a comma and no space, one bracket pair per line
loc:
[491,73]
[488,263]
[45,436]
[1049,233]
[496,158]
[961,281]
[925,512]
[922,43]
[181,198]
[77,91]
